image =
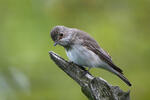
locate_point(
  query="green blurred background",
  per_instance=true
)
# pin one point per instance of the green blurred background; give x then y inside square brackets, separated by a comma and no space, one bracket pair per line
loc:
[121,27]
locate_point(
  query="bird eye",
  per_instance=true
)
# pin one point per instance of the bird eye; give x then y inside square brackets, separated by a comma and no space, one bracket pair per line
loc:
[61,34]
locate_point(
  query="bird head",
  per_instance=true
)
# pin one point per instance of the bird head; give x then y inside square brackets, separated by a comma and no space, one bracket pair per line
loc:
[61,35]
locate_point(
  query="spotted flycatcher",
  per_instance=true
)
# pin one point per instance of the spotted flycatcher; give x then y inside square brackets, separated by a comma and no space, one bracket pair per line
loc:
[83,50]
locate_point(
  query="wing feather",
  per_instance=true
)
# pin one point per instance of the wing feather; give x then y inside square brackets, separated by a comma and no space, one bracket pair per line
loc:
[92,45]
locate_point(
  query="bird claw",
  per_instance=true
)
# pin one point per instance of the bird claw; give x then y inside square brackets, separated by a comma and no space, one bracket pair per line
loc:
[84,73]
[71,62]
[81,67]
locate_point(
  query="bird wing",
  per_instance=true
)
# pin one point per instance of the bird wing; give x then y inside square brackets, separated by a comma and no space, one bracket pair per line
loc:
[92,45]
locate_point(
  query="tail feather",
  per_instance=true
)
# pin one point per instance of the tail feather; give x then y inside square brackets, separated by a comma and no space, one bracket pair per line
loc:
[123,78]
[119,74]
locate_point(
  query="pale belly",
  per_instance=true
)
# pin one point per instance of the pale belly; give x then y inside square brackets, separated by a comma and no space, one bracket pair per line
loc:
[84,57]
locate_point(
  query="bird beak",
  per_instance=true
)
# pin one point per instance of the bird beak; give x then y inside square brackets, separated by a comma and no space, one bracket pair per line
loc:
[55,43]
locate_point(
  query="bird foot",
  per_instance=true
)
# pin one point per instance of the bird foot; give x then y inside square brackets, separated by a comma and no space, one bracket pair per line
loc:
[84,73]
[81,67]
[71,62]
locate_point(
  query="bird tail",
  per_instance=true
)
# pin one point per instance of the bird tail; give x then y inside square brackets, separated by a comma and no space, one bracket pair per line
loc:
[117,72]
[122,77]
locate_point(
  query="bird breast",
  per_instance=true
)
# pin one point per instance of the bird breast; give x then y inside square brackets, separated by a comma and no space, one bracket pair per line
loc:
[83,56]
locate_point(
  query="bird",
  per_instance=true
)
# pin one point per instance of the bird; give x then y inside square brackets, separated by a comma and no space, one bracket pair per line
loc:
[83,50]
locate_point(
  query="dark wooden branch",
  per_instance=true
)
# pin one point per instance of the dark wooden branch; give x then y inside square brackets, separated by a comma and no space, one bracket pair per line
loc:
[95,88]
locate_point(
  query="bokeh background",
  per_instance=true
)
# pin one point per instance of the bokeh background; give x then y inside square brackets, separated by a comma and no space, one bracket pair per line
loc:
[121,27]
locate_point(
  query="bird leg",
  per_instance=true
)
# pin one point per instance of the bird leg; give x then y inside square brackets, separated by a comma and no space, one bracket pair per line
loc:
[86,71]
[83,68]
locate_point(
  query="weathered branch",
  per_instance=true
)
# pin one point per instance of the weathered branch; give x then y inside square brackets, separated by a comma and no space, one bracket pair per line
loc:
[94,88]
